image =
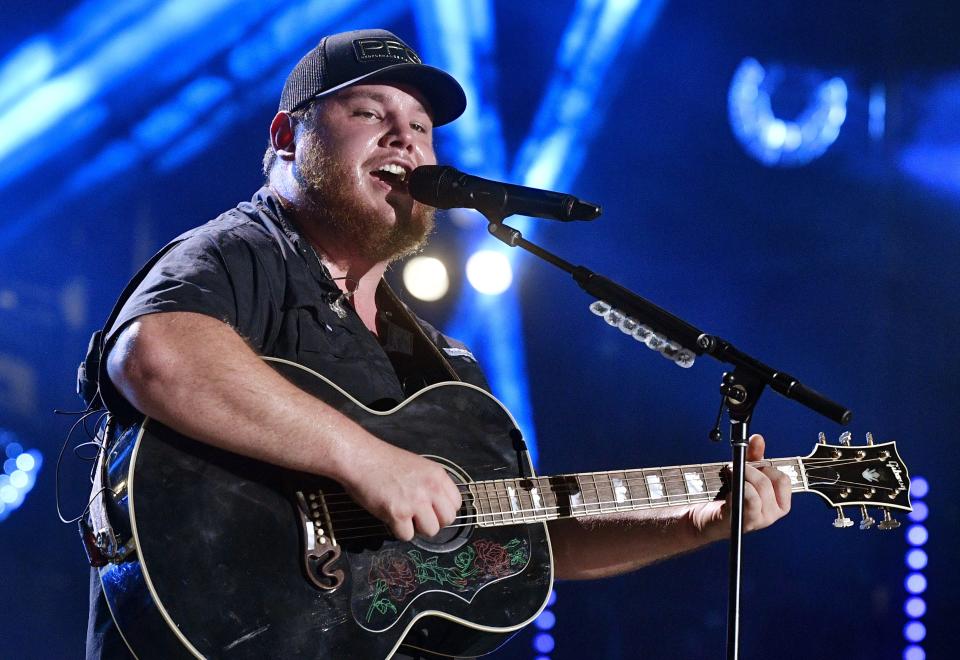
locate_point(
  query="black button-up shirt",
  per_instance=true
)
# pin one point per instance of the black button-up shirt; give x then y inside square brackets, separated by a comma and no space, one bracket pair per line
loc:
[251,269]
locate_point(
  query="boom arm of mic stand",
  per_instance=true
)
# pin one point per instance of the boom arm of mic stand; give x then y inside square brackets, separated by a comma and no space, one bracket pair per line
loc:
[675,328]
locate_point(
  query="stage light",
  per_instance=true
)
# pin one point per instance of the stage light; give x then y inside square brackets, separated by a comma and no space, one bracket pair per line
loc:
[19,479]
[19,473]
[775,141]
[919,487]
[546,620]
[915,631]
[489,272]
[919,513]
[543,642]
[915,607]
[25,462]
[917,559]
[8,494]
[917,535]
[914,653]
[552,599]
[916,583]
[426,278]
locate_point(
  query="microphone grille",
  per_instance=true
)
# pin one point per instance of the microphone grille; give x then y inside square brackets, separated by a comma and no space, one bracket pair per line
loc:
[424,184]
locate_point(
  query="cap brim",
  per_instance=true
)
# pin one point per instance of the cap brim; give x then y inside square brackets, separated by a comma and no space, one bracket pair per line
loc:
[441,90]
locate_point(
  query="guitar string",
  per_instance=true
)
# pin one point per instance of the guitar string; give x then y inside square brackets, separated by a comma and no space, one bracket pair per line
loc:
[341,503]
[593,507]
[474,519]
[669,499]
[336,498]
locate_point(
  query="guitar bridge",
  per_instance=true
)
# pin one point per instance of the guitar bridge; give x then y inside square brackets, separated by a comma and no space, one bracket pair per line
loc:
[320,548]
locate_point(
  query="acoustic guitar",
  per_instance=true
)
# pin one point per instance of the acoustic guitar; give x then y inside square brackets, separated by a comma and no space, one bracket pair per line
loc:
[224,556]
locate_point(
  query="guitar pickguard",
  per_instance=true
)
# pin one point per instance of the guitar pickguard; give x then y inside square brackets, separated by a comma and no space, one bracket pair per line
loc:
[388,581]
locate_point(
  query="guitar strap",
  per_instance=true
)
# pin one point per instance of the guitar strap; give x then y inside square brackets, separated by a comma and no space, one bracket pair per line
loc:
[98,535]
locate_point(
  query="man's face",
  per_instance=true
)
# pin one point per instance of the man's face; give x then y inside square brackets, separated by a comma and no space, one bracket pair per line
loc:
[355,161]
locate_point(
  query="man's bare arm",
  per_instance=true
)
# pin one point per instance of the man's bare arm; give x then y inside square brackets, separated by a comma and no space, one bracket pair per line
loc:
[196,375]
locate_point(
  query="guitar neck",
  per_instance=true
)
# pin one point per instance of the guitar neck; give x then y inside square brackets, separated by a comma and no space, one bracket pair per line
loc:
[539,499]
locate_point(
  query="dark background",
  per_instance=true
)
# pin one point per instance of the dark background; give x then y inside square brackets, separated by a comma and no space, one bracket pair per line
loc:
[841,272]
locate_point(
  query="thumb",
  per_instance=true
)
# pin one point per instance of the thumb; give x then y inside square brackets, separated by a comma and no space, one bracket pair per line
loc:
[755,447]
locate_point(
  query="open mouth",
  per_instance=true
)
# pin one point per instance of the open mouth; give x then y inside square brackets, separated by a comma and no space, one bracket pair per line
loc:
[394,176]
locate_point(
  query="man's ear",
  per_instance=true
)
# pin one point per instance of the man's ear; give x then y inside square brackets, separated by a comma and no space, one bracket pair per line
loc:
[282,135]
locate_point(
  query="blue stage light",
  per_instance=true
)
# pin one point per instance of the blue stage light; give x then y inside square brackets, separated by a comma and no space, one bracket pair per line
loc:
[546,620]
[775,141]
[174,118]
[915,607]
[919,487]
[19,479]
[26,67]
[917,559]
[25,462]
[915,631]
[552,599]
[919,513]
[914,652]
[917,535]
[543,642]
[8,494]
[20,471]
[916,583]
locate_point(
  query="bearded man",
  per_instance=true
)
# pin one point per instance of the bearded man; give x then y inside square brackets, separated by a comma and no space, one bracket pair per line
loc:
[297,274]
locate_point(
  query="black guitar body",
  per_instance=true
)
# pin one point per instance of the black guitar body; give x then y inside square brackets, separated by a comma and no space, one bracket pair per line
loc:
[229,559]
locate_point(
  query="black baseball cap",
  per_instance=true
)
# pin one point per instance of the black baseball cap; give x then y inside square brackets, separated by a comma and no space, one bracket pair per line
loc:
[348,58]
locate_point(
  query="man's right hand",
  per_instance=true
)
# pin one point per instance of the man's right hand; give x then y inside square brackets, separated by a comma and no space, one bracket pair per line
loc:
[412,495]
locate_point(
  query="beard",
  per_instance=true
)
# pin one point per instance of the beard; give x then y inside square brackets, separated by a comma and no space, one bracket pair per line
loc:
[337,209]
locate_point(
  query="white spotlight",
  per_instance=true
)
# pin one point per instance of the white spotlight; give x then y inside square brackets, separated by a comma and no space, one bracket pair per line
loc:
[426,278]
[489,272]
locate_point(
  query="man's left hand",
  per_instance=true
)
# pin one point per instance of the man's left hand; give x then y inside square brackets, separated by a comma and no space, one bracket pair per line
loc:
[766,499]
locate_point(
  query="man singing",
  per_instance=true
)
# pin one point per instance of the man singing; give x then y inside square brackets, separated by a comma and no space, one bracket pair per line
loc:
[297,273]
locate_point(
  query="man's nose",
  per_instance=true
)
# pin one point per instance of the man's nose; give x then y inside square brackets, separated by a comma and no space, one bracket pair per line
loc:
[400,136]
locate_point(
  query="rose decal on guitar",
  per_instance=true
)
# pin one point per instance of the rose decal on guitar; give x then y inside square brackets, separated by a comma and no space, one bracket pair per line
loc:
[396,578]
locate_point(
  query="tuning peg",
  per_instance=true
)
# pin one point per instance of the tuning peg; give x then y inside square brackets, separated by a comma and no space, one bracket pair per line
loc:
[842,520]
[867,521]
[888,522]
[869,438]
[822,438]
[845,438]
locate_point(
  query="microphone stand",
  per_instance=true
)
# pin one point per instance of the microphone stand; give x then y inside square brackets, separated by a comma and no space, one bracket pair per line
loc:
[741,389]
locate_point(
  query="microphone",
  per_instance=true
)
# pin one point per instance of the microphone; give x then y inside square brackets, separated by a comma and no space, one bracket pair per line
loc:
[446,187]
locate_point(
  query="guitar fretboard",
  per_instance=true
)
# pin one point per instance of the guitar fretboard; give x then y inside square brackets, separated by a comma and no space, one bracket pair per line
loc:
[539,499]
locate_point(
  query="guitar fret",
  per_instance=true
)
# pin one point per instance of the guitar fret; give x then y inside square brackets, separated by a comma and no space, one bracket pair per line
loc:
[596,492]
[694,482]
[504,496]
[793,468]
[605,495]
[620,489]
[654,481]
[513,500]
[478,502]
[675,485]
[577,498]
[492,486]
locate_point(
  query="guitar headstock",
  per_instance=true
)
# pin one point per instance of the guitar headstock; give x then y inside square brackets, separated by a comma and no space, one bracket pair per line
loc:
[869,475]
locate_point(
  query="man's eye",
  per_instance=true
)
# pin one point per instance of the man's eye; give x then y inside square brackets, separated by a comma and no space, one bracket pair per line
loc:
[420,128]
[368,114]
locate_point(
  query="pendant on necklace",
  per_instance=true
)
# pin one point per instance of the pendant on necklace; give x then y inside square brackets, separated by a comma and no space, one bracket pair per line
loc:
[338,308]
